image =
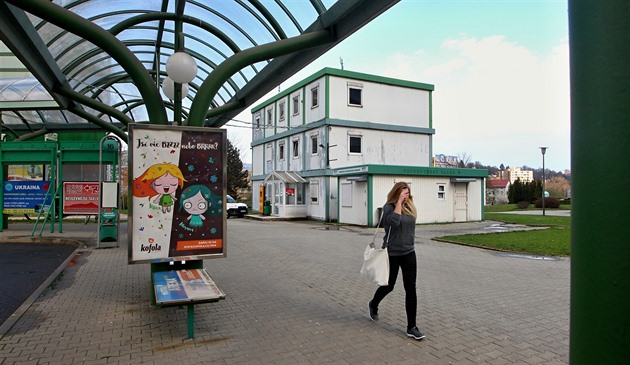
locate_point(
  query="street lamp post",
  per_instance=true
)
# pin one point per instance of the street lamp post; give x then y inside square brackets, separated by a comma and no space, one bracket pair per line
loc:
[543,150]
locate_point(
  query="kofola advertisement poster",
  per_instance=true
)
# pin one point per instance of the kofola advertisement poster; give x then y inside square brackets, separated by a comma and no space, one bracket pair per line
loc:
[177,178]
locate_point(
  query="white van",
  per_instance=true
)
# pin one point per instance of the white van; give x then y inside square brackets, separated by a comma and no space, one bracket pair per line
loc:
[235,208]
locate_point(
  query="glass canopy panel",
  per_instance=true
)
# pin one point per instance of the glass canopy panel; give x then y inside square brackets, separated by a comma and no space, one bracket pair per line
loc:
[219,51]
[73,50]
[59,117]
[224,26]
[302,11]
[22,89]
[108,20]
[88,9]
[145,33]
[237,17]
[283,18]
[21,117]
[46,31]
[93,70]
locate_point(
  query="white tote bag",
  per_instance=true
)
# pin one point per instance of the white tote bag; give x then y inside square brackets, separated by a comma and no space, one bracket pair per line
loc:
[376,262]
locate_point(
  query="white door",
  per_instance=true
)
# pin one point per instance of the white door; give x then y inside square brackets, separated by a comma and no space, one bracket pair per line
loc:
[461,202]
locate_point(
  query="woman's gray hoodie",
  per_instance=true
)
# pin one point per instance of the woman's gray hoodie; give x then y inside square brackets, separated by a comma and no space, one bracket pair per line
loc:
[402,236]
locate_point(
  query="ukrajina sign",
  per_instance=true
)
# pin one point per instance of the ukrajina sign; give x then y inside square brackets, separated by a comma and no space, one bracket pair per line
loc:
[177,181]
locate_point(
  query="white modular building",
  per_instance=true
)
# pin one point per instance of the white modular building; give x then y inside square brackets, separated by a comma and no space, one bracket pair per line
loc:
[331,147]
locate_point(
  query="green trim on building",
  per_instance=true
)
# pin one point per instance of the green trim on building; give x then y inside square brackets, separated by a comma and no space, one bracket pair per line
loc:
[327,97]
[304,105]
[349,75]
[370,194]
[483,201]
[410,171]
[430,110]
[343,123]
[275,119]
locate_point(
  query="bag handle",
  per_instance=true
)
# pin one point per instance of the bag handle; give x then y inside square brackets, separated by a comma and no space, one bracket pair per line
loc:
[376,231]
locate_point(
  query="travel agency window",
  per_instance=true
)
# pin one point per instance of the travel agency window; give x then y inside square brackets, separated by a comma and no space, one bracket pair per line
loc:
[294,194]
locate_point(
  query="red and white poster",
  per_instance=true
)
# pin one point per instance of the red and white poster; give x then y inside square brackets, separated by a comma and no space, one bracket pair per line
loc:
[178,179]
[80,197]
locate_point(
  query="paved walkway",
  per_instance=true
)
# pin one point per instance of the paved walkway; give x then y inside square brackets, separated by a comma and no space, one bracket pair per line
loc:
[294,296]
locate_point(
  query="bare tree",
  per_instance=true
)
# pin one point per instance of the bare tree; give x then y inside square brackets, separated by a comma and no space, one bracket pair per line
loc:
[463,159]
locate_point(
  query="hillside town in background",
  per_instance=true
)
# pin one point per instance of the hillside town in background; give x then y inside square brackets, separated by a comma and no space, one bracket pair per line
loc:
[557,183]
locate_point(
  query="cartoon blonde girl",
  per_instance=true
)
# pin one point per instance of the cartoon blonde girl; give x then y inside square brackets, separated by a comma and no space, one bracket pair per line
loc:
[159,182]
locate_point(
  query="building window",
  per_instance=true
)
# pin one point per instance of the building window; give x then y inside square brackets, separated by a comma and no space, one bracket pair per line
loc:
[441,192]
[354,144]
[315,97]
[281,151]
[296,105]
[355,97]
[301,189]
[281,110]
[294,194]
[257,121]
[314,192]
[269,117]
[296,148]
[314,145]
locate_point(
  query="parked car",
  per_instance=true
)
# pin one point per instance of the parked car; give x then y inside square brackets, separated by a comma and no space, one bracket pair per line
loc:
[235,208]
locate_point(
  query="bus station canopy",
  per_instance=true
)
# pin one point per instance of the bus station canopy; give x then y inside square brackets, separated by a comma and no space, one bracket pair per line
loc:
[102,64]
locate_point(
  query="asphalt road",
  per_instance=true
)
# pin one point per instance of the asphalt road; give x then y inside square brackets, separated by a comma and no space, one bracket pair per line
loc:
[23,268]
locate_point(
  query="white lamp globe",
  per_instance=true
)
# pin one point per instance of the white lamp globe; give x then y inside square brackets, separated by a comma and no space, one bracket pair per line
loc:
[181,67]
[168,87]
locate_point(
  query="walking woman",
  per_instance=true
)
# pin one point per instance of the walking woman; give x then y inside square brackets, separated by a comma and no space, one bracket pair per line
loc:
[399,221]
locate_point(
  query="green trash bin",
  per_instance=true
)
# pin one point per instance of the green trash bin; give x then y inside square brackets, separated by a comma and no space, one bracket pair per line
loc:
[267,208]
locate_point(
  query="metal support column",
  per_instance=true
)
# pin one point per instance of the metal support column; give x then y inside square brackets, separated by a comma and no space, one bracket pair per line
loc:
[599,34]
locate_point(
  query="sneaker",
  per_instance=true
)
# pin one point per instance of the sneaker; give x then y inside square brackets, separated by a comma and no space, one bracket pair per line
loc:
[373,312]
[415,333]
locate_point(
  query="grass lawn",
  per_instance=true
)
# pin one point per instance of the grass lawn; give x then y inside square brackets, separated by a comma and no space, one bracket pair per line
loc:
[552,241]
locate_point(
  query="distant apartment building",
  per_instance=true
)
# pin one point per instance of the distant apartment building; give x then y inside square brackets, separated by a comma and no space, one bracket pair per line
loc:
[515,173]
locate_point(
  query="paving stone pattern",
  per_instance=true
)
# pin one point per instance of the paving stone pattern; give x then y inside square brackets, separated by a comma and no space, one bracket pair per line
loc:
[294,296]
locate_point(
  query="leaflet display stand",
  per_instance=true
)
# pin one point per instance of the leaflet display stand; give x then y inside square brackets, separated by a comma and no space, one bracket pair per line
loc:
[109,202]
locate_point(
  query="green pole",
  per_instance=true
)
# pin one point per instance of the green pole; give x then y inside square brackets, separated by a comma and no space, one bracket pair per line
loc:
[191,321]
[599,36]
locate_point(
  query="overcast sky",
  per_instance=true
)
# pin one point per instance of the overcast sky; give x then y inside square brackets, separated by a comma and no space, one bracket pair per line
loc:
[500,70]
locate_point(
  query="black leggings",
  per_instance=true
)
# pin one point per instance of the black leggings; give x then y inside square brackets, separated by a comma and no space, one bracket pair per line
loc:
[408,265]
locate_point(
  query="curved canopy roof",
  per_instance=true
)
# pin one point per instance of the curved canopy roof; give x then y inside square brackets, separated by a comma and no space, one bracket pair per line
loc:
[102,61]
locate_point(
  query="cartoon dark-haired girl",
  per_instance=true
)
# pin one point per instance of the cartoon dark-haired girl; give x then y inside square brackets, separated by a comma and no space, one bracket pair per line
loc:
[196,200]
[159,182]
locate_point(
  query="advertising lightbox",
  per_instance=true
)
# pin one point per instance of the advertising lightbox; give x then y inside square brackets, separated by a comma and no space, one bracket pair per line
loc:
[177,178]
